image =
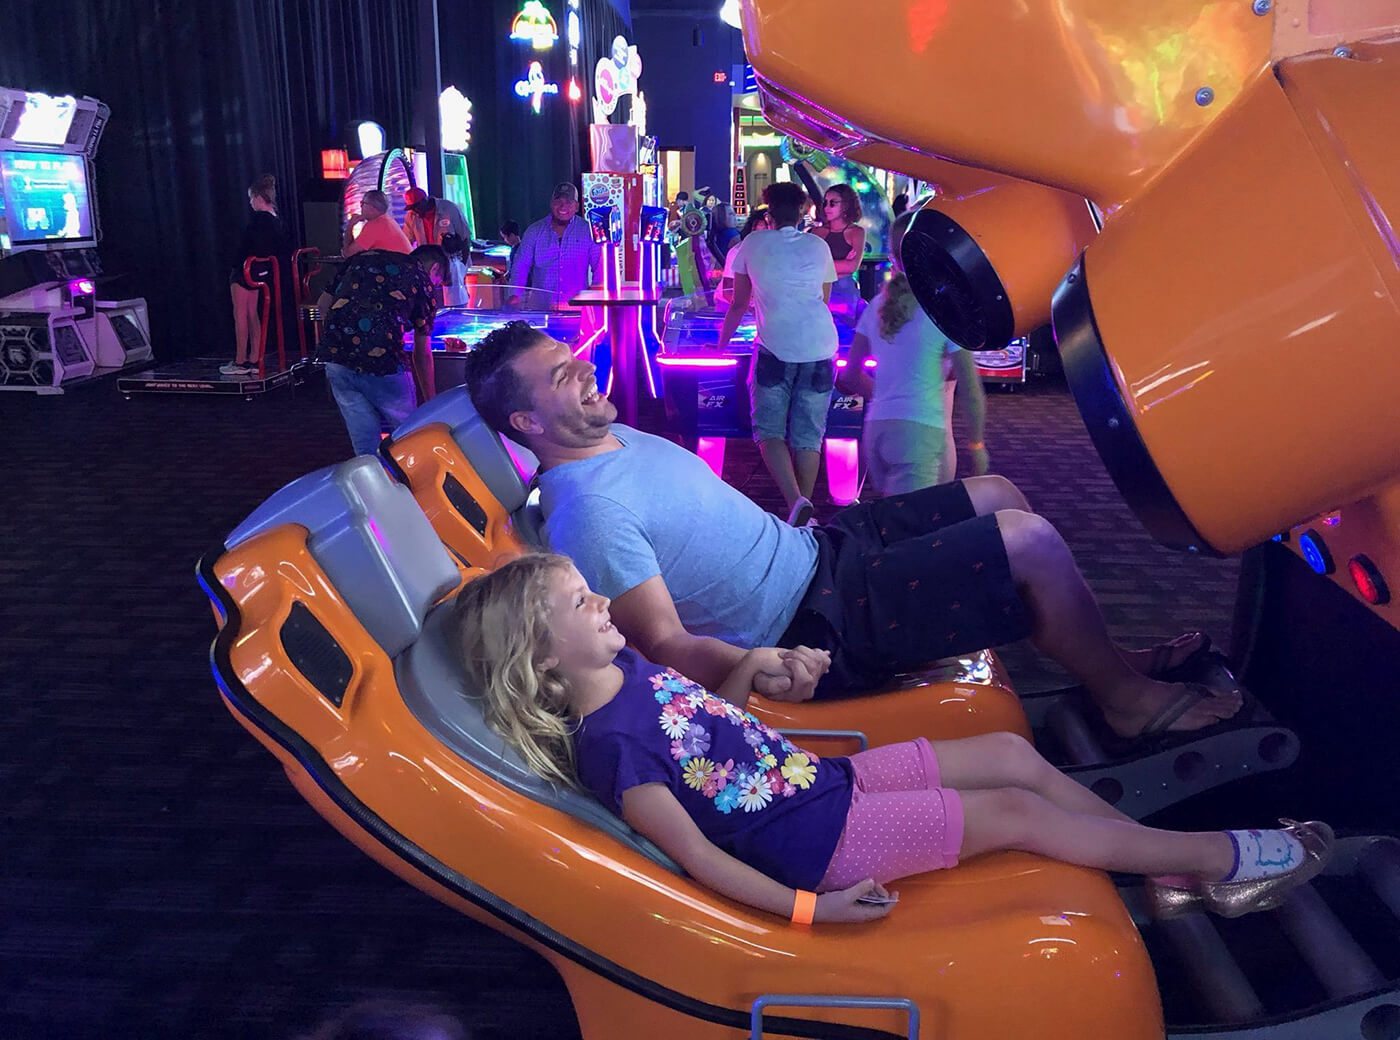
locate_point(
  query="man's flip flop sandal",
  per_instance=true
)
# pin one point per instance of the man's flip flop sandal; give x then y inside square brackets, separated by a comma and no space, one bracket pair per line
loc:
[1161,668]
[1158,732]
[1159,725]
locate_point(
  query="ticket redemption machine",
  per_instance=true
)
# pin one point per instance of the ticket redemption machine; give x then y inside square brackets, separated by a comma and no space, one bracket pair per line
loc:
[54,326]
[631,234]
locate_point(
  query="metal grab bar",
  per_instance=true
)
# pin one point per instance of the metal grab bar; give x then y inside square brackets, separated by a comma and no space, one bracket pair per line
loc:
[836,734]
[821,1001]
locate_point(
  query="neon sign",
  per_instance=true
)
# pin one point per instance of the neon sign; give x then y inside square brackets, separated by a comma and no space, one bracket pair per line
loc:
[455,115]
[534,87]
[535,25]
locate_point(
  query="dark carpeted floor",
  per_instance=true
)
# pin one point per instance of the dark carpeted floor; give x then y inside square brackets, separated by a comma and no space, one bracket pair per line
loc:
[159,878]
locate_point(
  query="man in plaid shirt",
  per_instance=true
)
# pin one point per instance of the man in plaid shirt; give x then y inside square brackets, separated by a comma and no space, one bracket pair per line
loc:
[557,253]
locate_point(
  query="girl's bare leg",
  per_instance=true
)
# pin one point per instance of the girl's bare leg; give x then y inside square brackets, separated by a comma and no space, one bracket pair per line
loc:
[997,760]
[240,324]
[254,319]
[1015,818]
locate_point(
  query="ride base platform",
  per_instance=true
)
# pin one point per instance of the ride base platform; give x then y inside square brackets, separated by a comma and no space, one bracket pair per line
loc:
[202,376]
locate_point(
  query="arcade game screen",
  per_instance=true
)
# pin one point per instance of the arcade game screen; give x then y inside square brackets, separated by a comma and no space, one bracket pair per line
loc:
[45,197]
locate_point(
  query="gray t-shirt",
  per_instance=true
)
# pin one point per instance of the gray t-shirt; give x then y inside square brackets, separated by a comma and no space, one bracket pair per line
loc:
[735,572]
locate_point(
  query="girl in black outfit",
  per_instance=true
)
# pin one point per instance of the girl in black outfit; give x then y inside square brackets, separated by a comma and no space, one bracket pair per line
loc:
[262,237]
[846,238]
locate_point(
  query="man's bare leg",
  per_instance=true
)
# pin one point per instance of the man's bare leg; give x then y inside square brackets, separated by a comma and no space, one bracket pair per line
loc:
[1069,628]
[993,493]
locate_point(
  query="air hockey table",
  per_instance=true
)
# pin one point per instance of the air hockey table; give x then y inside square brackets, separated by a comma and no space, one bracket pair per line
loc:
[706,389]
[485,311]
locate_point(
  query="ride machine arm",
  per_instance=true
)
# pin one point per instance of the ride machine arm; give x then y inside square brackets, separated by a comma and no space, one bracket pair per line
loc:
[1237,157]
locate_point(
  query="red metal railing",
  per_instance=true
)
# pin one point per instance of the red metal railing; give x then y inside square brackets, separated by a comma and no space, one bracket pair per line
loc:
[268,308]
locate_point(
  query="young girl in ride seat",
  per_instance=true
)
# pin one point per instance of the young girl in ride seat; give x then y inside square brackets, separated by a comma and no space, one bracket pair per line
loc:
[760,820]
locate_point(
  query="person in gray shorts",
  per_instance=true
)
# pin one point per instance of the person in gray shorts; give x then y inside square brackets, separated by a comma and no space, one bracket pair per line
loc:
[789,276]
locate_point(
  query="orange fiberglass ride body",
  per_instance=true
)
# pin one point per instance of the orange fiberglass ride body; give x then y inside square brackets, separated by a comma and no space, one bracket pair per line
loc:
[332,603]
[470,489]
[1228,334]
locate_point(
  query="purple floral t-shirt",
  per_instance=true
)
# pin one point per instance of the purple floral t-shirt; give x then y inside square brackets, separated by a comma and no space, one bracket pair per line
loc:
[758,797]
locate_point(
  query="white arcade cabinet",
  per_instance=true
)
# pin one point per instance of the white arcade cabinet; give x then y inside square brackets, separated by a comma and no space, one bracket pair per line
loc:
[53,327]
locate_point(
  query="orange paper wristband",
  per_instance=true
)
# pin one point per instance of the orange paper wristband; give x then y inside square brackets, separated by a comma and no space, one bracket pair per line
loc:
[804,906]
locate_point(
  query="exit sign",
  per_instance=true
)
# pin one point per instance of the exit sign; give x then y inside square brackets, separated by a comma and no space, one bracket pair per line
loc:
[721,77]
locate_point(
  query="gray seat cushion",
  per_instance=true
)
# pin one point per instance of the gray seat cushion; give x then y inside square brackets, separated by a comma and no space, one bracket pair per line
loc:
[372,540]
[480,444]
[435,688]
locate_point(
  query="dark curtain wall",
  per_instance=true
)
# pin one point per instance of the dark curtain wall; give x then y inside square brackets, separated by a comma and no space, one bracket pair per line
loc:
[681,52]
[516,156]
[204,97]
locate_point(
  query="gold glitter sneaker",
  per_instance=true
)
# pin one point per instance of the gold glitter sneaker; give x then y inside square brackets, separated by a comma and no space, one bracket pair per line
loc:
[1165,901]
[1237,898]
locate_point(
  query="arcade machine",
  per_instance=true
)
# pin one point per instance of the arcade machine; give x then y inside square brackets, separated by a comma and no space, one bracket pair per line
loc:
[456,330]
[55,326]
[455,118]
[653,172]
[691,265]
[623,327]
[1005,367]
[390,172]
[1199,328]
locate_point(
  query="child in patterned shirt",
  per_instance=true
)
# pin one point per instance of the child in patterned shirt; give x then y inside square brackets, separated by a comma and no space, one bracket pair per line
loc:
[758,819]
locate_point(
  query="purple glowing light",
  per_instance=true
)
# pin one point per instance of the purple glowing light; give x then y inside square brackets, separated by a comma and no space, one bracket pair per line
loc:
[843,469]
[711,452]
[697,362]
[82,287]
[589,341]
[522,465]
[643,356]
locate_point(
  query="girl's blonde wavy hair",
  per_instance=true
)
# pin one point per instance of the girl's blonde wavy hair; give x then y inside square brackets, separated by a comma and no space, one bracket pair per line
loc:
[897,303]
[502,620]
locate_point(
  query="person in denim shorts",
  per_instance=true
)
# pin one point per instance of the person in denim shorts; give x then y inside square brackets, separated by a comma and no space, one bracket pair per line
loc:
[789,276]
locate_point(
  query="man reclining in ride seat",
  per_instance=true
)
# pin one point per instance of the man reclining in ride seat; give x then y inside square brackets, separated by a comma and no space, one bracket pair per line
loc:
[697,571]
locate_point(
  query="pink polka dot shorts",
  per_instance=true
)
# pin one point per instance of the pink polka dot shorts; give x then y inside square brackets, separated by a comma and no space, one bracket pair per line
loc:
[900,822]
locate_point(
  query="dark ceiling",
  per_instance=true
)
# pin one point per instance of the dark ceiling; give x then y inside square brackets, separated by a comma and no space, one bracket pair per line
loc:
[693,8]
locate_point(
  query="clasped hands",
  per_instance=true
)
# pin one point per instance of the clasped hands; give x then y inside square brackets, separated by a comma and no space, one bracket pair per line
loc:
[790,675]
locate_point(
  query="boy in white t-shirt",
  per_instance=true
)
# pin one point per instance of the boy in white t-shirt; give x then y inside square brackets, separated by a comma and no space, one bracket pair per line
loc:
[789,276]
